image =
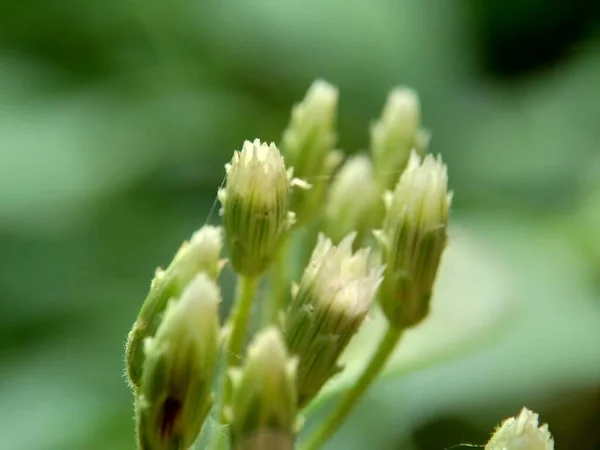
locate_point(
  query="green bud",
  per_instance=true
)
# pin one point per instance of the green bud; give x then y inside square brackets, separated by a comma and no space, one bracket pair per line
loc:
[351,200]
[181,360]
[395,134]
[263,409]
[412,240]
[308,145]
[331,302]
[255,206]
[200,254]
[521,433]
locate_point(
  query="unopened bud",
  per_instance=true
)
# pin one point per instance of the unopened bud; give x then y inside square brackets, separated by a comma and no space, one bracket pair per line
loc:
[521,433]
[200,255]
[351,200]
[181,359]
[395,134]
[331,302]
[263,409]
[255,206]
[308,146]
[412,240]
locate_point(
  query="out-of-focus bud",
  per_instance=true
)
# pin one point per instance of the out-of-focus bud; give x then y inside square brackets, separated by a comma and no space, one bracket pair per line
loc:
[201,254]
[331,302]
[395,134]
[412,240]
[521,433]
[263,408]
[351,201]
[255,206]
[181,360]
[308,145]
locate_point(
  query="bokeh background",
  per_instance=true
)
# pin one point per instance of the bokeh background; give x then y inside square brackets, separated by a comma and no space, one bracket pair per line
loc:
[116,118]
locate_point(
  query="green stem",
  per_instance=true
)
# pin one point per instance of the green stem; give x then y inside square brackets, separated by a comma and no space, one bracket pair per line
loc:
[278,281]
[246,288]
[351,397]
[238,322]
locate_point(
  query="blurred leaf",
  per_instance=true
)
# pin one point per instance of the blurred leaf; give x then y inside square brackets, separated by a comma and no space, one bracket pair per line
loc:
[62,155]
[525,143]
[549,344]
[584,229]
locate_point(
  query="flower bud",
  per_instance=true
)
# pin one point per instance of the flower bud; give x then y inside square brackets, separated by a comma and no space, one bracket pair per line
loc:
[331,302]
[201,254]
[521,433]
[412,240]
[181,360]
[396,134]
[351,200]
[308,145]
[255,206]
[263,409]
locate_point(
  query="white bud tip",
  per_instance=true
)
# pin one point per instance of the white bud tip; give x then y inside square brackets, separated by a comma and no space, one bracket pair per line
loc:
[323,93]
[402,104]
[209,239]
[521,433]
[346,282]
[199,302]
[268,154]
[422,190]
[268,346]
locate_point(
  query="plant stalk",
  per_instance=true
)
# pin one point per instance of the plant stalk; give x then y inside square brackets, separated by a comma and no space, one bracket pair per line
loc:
[278,282]
[240,316]
[350,399]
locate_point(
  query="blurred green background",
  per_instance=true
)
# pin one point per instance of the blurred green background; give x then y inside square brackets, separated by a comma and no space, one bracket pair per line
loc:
[116,118]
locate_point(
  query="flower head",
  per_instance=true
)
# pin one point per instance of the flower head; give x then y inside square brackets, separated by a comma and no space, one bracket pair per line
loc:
[331,302]
[521,433]
[413,238]
[308,145]
[263,408]
[397,133]
[255,206]
[181,359]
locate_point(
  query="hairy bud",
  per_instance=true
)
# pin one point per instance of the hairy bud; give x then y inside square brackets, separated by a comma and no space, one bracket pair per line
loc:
[412,240]
[263,409]
[181,360]
[255,206]
[200,255]
[521,433]
[331,302]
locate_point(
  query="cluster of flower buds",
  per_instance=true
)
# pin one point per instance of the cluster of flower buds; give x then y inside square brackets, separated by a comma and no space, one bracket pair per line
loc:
[308,146]
[174,346]
[172,349]
[521,433]
[201,254]
[327,309]
[175,396]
